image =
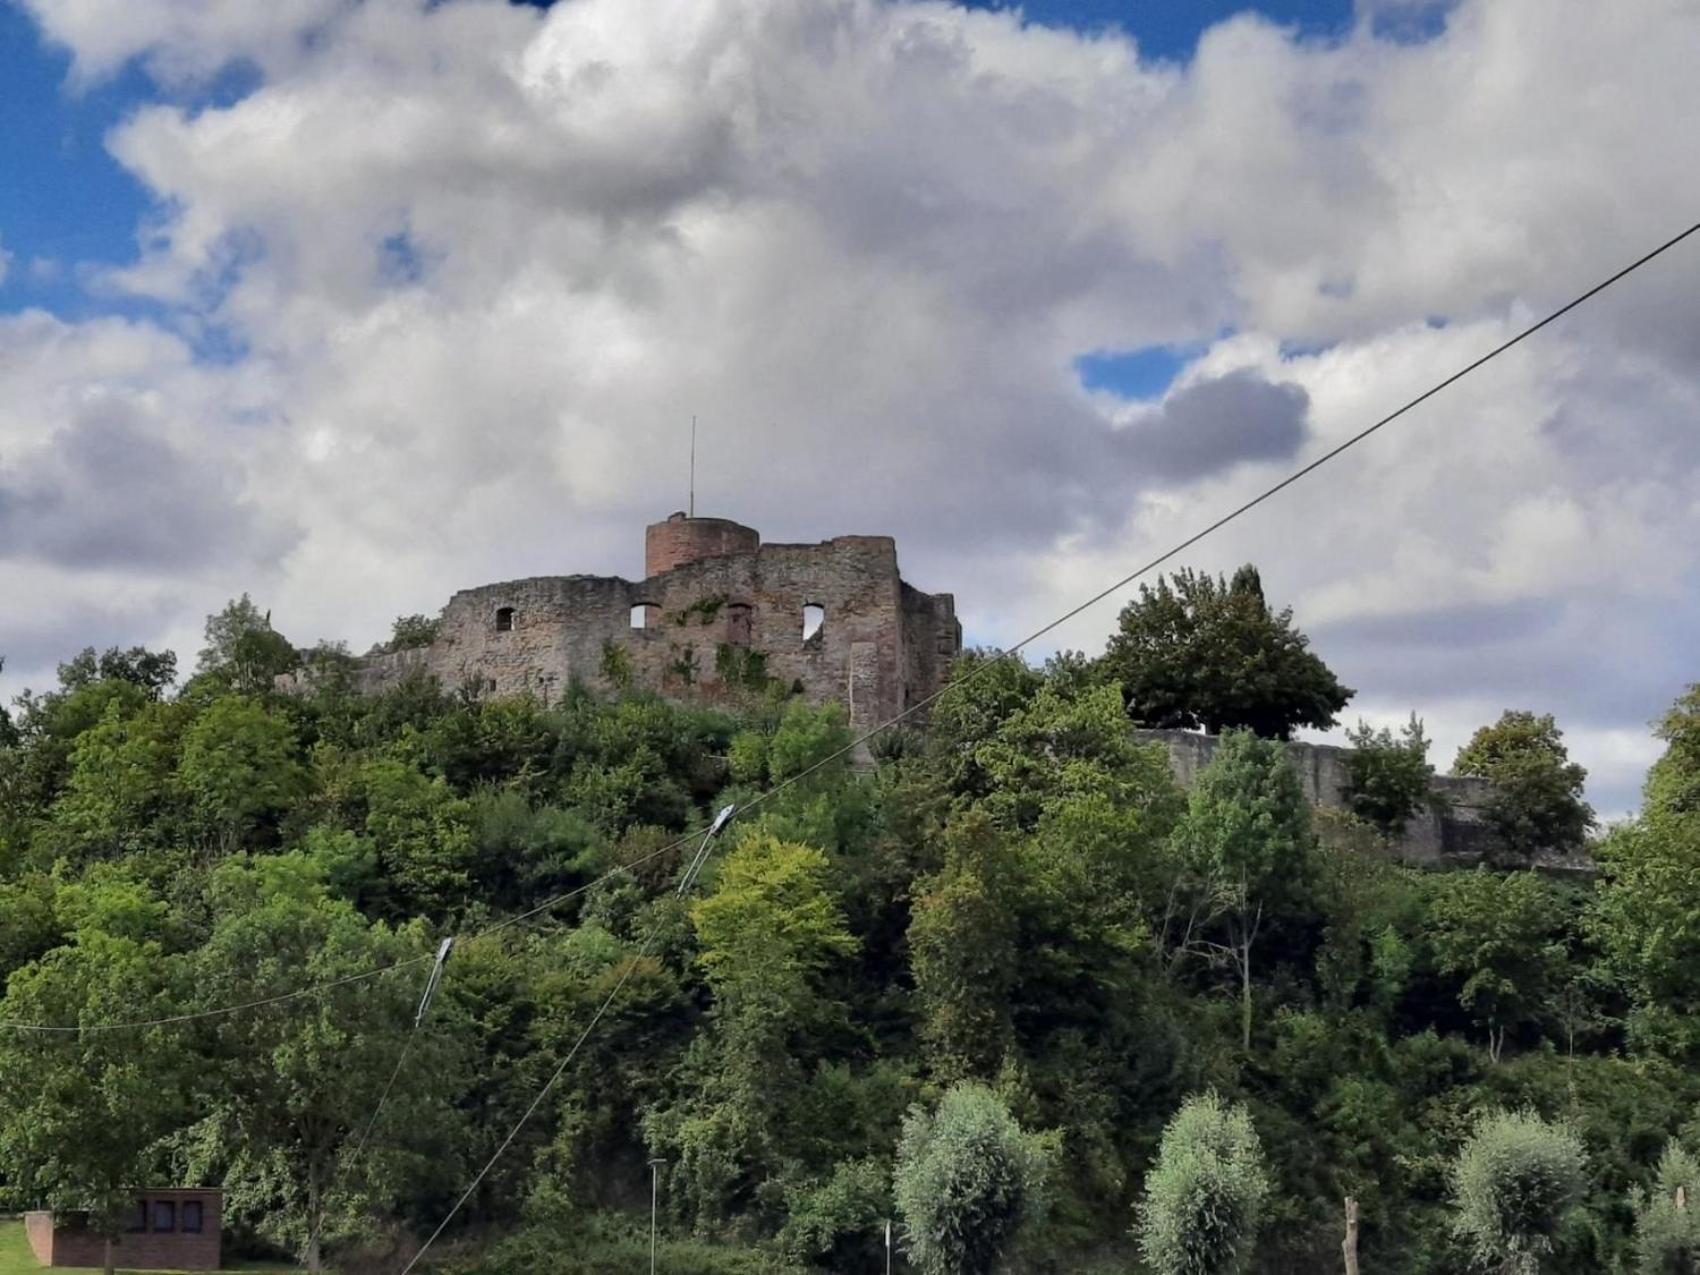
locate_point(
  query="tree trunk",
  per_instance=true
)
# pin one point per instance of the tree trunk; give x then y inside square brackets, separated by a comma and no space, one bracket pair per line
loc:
[315,1219]
[1349,1245]
[1245,996]
[106,1257]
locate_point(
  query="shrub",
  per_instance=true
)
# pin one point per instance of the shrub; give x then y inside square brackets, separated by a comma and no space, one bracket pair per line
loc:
[1512,1185]
[1667,1238]
[1388,778]
[1204,1196]
[968,1179]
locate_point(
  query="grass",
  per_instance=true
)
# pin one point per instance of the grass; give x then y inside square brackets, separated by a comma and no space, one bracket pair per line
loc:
[16,1258]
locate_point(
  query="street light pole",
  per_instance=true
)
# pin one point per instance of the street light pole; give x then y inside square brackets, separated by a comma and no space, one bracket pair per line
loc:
[654,1197]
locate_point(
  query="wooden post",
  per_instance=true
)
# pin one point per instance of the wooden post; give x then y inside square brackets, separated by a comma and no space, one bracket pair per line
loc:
[1349,1245]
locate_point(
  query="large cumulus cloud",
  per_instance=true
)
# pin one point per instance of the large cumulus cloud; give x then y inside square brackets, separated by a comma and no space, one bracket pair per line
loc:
[482,263]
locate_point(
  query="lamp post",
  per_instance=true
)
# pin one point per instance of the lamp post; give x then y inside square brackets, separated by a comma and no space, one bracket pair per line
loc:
[654,1197]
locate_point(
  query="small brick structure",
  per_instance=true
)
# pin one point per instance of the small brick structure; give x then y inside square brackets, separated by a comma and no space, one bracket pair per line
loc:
[169,1229]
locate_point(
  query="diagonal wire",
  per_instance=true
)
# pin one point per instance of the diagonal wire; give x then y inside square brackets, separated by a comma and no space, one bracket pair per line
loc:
[1268,492]
[554,1079]
[315,989]
[978,671]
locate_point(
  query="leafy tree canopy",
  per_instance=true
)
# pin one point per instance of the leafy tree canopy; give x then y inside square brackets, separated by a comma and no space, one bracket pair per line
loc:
[1202,651]
[1537,804]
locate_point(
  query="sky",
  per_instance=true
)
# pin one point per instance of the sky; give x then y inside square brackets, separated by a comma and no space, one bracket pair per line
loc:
[351,303]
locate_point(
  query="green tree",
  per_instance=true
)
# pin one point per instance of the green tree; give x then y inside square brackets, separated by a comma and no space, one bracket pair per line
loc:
[1667,1218]
[87,1113]
[118,794]
[1502,934]
[153,671]
[965,951]
[239,768]
[243,650]
[410,632]
[968,1179]
[1197,651]
[1204,1195]
[296,1081]
[1513,1183]
[1388,779]
[1644,915]
[1537,803]
[1246,852]
[767,934]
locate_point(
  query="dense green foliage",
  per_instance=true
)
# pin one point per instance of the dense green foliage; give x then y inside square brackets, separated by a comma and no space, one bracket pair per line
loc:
[1537,803]
[968,1178]
[1389,778]
[1204,1195]
[1013,936]
[1667,1217]
[1515,1181]
[1202,651]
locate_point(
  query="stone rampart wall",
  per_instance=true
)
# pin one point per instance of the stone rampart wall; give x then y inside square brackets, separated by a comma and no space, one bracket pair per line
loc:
[1453,831]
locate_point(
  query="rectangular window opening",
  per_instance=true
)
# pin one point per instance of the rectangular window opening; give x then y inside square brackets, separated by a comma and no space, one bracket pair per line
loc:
[164,1216]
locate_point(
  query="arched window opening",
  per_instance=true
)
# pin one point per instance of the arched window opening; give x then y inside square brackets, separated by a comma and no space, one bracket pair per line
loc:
[814,619]
[645,615]
[504,619]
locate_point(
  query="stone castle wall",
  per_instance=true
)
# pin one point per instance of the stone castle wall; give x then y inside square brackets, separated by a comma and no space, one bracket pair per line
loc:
[1451,832]
[723,618]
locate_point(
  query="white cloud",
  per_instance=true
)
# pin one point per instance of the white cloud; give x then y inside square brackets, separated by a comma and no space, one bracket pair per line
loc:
[484,263]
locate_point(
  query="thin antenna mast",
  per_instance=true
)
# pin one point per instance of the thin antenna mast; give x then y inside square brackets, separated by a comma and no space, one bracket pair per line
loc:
[692,506]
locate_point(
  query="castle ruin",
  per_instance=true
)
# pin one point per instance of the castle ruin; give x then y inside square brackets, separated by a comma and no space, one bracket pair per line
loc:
[717,615]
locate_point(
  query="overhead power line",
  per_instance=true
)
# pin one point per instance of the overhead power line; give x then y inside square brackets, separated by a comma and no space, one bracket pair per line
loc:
[1268,492]
[684,888]
[927,701]
[329,985]
[1123,582]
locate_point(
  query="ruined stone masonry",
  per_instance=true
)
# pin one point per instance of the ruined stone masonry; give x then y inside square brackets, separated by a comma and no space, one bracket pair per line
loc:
[1452,832]
[718,615]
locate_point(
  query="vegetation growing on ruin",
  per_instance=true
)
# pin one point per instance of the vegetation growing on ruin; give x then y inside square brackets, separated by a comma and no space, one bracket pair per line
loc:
[1008,989]
[739,666]
[702,610]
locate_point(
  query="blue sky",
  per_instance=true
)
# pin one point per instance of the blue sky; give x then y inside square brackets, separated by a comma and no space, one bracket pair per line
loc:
[67,207]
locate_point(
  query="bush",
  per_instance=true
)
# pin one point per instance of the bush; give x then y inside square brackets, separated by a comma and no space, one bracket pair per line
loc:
[1388,778]
[1667,1238]
[968,1179]
[1512,1185]
[1204,1196]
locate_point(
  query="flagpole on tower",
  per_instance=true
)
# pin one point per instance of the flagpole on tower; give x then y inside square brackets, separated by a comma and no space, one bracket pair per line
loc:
[692,506]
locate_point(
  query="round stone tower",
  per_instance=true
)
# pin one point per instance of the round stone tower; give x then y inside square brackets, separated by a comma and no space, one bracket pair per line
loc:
[682,539]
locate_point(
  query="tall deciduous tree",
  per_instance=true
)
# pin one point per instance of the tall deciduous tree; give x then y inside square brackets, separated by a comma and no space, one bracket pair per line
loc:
[1246,850]
[1198,651]
[299,1079]
[1645,916]
[239,769]
[1667,1217]
[968,1179]
[243,650]
[85,1113]
[767,934]
[1502,936]
[1537,803]
[1204,1195]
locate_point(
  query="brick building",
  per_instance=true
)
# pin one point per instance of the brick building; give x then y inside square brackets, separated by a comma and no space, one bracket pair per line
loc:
[717,616]
[168,1229]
